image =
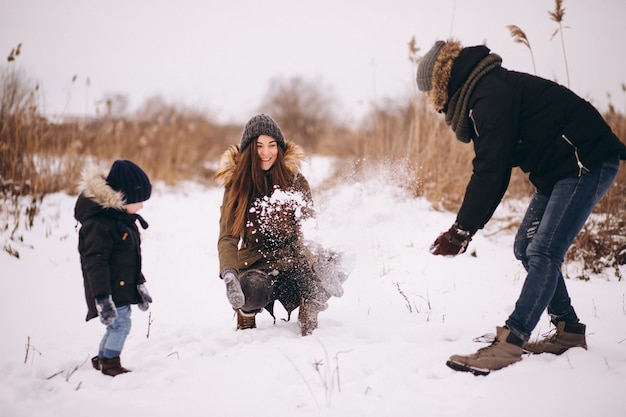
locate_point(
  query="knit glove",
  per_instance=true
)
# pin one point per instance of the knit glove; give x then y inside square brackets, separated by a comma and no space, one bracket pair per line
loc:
[451,243]
[106,309]
[146,299]
[233,288]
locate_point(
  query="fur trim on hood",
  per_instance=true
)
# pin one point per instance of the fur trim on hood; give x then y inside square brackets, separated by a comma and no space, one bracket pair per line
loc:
[93,185]
[294,156]
[442,71]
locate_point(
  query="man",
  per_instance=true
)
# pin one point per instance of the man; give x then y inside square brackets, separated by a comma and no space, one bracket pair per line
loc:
[572,156]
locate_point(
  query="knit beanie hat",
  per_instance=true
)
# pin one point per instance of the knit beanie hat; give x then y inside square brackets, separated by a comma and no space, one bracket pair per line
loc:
[132,181]
[426,65]
[261,124]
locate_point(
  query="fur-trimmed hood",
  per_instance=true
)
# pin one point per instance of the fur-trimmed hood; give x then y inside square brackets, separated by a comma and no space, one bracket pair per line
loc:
[96,195]
[294,156]
[442,71]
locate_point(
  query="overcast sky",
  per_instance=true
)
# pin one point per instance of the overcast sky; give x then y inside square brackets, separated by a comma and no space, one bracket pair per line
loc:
[218,56]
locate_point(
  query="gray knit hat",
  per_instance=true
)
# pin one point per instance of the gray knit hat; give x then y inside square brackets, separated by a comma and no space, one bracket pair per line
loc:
[261,124]
[426,65]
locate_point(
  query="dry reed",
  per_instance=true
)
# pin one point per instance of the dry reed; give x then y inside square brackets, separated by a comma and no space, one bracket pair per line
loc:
[557,16]
[38,157]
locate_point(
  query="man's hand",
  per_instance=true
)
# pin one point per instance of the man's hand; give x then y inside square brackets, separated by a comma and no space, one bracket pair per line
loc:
[451,243]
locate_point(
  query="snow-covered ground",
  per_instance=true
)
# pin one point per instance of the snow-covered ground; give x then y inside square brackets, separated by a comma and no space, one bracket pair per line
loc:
[380,350]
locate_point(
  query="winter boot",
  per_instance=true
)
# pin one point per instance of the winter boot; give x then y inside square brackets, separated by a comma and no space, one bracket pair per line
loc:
[505,350]
[245,320]
[95,362]
[563,337]
[307,315]
[112,366]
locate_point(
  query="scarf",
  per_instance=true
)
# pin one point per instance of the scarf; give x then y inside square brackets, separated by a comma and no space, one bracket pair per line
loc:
[125,221]
[457,115]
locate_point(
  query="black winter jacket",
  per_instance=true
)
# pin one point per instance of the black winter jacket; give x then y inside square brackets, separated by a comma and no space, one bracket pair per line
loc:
[525,121]
[109,244]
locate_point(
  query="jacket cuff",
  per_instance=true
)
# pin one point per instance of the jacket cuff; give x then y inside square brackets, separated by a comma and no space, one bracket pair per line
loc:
[226,270]
[463,231]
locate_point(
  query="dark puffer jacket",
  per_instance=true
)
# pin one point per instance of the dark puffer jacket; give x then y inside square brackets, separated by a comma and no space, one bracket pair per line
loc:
[520,120]
[109,244]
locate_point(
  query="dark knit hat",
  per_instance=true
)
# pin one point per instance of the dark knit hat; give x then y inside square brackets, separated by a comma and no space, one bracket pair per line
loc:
[426,65]
[132,181]
[261,124]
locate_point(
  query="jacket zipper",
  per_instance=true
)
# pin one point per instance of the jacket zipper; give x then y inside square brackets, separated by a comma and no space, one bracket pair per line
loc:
[581,167]
[471,116]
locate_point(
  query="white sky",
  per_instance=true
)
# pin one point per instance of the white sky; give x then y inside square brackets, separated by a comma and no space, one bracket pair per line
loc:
[219,55]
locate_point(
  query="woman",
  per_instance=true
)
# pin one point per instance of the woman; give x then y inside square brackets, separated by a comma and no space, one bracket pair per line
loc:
[263,256]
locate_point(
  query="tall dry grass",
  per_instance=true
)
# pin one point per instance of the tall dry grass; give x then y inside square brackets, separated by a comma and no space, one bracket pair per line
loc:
[557,16]
[38,157]
[602,243]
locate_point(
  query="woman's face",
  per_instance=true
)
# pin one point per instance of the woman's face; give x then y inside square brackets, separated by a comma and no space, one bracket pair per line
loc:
[267,149]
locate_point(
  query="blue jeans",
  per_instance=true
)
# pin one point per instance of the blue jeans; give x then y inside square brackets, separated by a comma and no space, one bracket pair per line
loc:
[113,340]
[549,227]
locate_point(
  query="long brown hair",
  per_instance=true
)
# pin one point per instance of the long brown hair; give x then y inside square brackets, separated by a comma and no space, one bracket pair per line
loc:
[250,182]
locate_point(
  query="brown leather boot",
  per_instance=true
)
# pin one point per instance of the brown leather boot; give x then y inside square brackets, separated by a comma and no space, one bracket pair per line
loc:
[245,320]
[307,315]
[563,337]
[95,362]
[505,350]
[112,366]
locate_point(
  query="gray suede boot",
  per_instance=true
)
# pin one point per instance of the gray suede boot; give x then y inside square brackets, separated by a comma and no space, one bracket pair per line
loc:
[307,315]
[95,362]
[505,350]
[563,337]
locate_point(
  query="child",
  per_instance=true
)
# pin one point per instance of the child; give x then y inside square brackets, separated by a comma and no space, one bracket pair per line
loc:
[110,254]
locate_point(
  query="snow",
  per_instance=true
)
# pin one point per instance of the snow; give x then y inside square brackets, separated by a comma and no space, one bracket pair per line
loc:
[380,349]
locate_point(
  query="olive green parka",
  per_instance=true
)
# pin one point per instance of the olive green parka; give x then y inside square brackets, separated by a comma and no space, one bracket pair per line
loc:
[270,242]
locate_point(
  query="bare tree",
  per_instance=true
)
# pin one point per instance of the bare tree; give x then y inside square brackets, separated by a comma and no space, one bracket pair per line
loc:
[116,105]
[302,108]
[155,108]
